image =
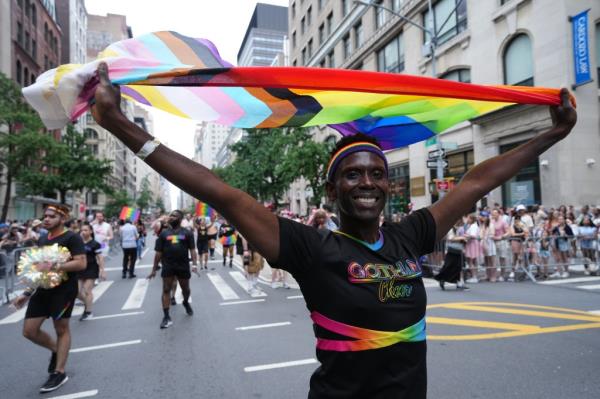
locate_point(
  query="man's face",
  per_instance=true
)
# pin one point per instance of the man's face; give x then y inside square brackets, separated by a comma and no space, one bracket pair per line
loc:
[175,219]
[52,219]
[495,214]
[360,187]
[100,217]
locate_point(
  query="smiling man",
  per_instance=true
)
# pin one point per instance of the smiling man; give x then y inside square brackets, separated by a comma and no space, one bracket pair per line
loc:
[362,284]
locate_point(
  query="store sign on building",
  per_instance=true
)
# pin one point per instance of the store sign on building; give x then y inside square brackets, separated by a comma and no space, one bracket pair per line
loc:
[581,52]
[417,186]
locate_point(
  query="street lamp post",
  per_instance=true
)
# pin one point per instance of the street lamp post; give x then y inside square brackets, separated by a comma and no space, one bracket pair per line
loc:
[433,39]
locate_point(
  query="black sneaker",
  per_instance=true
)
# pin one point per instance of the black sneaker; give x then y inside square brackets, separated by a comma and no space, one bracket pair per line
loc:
[173,301]
[166,322]
[85,316]
[230,264]
[54,382]
[188,308]
[52,364]
[132,276]
[124,275]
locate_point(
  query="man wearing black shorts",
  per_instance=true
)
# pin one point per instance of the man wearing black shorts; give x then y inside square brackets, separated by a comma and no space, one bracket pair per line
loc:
[57,302]
[172,247]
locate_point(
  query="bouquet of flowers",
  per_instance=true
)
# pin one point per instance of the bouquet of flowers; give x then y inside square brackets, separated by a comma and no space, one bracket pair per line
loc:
[37,266]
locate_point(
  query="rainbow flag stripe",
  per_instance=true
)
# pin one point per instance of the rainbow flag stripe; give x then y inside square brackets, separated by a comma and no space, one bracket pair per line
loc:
[204,210]
[187,77]
[130,213]
[364,339]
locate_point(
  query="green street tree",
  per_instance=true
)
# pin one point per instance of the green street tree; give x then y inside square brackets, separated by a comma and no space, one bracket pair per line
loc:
[71,167]
[116,201]
[144,199]
[23,143]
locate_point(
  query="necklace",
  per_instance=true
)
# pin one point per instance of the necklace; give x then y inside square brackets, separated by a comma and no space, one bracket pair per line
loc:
[376,246]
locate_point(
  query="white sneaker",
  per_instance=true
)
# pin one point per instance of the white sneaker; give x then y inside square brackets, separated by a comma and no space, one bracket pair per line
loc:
[564,275]
[555,275]
[586,272]
[472,280]
[511,276]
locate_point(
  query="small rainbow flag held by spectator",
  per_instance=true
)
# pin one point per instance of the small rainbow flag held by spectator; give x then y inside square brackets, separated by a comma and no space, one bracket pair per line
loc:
[130,213]
[204,210]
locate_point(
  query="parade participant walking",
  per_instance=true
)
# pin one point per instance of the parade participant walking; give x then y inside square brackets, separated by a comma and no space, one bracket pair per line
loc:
[202,241]
[172,247]
[93,270]
[103,233]
[141,241]
[227,238]
[212,236]
[369,324]
[129,237]
[56,303]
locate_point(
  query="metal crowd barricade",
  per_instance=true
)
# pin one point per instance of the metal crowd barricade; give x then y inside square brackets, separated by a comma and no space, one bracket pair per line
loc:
[7,273]
[530,262]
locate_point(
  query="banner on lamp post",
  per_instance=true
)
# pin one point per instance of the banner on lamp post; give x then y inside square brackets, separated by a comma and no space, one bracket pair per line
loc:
[581,52]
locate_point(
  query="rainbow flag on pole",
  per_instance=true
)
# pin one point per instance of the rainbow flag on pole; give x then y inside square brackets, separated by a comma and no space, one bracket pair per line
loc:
[130,213]
[204,210]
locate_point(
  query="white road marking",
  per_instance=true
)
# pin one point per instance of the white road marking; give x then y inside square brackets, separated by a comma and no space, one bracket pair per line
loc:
[145,251]
[84,394]
[241,302]
[279,365]
[589,287]
[110,316]
[255,327]
[597,312]
[295,297]
[179,295]
[106,346]
[226,292]
[14,317]
[241,280]
[137,295]
[571,280]
[97,291]
[112,269]
[430,283]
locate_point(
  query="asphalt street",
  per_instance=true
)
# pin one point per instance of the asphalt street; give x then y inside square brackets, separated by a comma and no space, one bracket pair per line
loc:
[505,340]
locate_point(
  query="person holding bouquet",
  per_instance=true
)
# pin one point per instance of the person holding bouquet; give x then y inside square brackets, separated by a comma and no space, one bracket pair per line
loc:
[52,297]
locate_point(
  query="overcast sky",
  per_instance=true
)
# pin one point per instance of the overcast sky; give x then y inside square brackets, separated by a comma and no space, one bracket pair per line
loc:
[224,22]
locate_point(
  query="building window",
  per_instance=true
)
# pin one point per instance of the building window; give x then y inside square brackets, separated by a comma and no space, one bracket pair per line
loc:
[304,56]
[347,46]
[331,59]
[358,35]
[27,8]
[396,5]
[309,16]
[322,34]
[310,48]
[19,33]
[19,72]
[523,188]
[46,31]
[32,81]
[293,10]
[329,23]
[381,17]
[302,25]
[34,49]
[295,63]
[458,165]
[27,41]
[518,62]
[391,57]
[33,15]
[294,39]
[446,10]
[90,133]
[94,198]
[345,7]
[20,3]
[322,63]
[458,75]
[399,190]
[46,62]
[26,76]
[598,51]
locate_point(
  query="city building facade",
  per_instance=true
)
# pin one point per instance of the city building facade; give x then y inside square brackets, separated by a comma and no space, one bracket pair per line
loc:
[213,135]
[516,42]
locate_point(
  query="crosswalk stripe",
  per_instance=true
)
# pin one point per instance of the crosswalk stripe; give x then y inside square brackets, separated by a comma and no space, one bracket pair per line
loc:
[241,280]
[97,291]
[279,365]
[14,317]
[589,287]
[179,295]
[137,295]
[106,346]
[112,269]
[226,292]
[242,302]
[84,394]
[257,326]
[571,280]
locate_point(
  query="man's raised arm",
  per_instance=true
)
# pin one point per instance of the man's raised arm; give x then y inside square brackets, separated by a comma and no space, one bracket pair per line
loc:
[255,222]
[493,172]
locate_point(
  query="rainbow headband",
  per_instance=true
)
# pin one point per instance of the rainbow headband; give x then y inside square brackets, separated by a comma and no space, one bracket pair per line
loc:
[351,149]
[58,210]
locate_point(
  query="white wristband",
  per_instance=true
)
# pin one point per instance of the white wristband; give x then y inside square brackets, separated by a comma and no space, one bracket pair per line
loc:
[147,149]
